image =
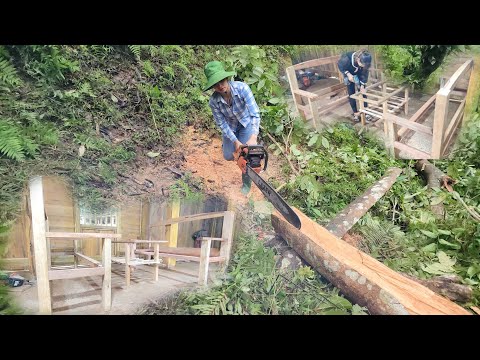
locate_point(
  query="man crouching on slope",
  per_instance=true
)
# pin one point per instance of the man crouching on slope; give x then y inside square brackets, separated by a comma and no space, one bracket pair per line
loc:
[235,111]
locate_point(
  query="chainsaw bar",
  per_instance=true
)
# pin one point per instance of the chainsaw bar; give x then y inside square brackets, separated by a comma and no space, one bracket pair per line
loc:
[274,198]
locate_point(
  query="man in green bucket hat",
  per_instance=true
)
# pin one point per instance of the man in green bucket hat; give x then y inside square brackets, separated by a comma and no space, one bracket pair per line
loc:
[235,111]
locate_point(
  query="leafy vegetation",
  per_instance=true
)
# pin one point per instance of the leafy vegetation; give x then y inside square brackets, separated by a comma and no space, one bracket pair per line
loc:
[414,64]
[254,286]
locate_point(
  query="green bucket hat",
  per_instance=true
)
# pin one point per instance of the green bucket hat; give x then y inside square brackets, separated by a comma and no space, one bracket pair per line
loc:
[215,72]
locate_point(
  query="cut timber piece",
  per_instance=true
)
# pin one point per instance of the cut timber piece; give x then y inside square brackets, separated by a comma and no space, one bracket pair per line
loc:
[344,221]
[361,278]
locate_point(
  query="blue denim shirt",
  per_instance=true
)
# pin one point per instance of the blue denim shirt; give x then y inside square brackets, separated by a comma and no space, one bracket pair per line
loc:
[244,110]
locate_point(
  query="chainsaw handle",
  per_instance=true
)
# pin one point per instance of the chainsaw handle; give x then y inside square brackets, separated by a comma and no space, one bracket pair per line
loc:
[266,161]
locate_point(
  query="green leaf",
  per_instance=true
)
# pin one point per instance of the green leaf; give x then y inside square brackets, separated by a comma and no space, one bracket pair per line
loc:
[313,140]
[473,270]
[430,248]
[294,150]
[325,142]
[449,244]
[114,98]
[444,232]
[261,84]
[358,310]
[274,100]
[445,259]
[152,154]
[429,234]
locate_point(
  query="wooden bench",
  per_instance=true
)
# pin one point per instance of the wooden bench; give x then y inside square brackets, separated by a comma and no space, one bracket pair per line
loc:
[204,255]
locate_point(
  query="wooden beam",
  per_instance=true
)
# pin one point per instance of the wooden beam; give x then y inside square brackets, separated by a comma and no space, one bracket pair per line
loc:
[85,257]
[40,245]
[133,241]
[292,80]
[107,275]
[15,263]
[349,216]
[419,113]
[314,111]
[473,91]
[227,233]
[409,124]
[417,154]
[390,129]
[439,122]
[70,235]
[75,273]
[453,126]
[330,89]
[190,218]
[156,257]
[172,241]
[309,95]
[316,62]
[361,278]
[203,267]
[467,65]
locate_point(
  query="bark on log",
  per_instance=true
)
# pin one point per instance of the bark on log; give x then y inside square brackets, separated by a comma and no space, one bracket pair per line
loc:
[447,285]
[361,278]
[344,221]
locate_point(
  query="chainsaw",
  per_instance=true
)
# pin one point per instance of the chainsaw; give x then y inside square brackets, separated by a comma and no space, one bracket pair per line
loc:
[250,162]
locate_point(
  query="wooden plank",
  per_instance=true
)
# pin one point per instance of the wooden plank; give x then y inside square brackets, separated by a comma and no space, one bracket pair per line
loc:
[89,259]
[316,62]
[453,126]
[227,233]
[75,273]
[107,275]
[40,245]
[314,111]
[172,241]
[328,107]
[190,218]
[127,262]
[134,241]
[88,236]
[15,263]
[193,258]
[389,95]
[419,113]
[409,124]
[203,267]
[473,90]
[456,76]
[357,96]
[417,154]
[306,94]
[390,132]
[439,122]
[330,89]
[361,278]
[156,258]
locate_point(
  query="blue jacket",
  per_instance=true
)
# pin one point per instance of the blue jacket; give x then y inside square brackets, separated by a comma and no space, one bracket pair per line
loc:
[346,64]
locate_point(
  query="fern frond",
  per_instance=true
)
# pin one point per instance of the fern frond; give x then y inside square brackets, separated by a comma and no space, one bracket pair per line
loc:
[8,74]
[136,50]
[11,141]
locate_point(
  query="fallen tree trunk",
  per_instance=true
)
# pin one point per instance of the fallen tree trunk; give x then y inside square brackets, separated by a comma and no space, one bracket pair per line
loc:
[449,286]
[361,278]
[344,221]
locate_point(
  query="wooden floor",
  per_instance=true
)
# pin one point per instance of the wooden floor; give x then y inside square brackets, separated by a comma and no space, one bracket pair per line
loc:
[83,296]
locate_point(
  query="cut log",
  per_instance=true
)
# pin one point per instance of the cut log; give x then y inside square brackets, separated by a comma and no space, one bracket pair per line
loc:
[361,278]
[434,178]
[447,285]
[344,221]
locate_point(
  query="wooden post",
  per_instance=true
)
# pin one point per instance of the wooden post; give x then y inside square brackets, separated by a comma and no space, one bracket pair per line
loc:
[75,250]
[40,245]
[292,80]
[361,108]
[204,256]
[390,132]
[227,234]
[172,241]
[314,111]
[127,261]
[473,92]
[157,259]
[439,122]
[107,276]
[406,100]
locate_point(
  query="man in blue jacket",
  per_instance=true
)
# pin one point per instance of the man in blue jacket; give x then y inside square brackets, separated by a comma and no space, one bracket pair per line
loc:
[235,112]
[354,67]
